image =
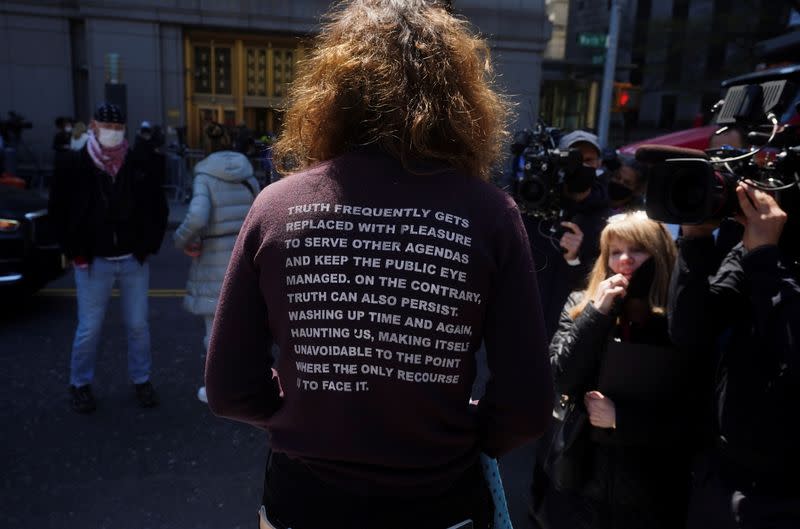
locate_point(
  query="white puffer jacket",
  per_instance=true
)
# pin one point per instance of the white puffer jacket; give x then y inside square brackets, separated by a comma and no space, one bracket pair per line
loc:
[220,202]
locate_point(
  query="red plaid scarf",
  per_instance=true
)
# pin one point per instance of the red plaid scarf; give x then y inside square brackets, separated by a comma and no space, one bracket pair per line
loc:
[107,159]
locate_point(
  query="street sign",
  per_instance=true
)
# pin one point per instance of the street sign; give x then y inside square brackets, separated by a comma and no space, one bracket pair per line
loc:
[592,40]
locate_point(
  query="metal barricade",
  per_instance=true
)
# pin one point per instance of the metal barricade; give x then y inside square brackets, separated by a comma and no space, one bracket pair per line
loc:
[180,171]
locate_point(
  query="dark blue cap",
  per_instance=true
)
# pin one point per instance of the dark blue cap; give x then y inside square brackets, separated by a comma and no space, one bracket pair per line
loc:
[109,113]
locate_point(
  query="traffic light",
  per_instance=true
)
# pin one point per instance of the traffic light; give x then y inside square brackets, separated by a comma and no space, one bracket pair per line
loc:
[626,97]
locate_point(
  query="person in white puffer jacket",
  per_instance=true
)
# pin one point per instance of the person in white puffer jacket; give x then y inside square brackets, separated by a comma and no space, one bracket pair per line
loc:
[223,191]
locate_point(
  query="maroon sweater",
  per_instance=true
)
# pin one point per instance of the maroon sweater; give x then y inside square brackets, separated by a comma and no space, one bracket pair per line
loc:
[379,285]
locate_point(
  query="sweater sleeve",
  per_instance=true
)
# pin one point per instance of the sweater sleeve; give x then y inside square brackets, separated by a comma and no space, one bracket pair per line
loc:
[238,379]
[517,404]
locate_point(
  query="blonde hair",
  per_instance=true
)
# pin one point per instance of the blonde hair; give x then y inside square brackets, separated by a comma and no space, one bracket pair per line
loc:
[635,227]
[404,75]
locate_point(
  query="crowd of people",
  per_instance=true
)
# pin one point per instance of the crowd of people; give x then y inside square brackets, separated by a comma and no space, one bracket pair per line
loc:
[385,259]
[658,356]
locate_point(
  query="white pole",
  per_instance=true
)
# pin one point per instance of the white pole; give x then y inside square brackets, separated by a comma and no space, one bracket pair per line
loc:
[608,73]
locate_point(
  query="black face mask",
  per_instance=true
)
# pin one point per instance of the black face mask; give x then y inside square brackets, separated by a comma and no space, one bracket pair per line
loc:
[642,279]
[618,192]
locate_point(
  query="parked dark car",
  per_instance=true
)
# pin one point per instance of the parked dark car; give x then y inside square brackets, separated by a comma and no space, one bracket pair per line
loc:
[29,253]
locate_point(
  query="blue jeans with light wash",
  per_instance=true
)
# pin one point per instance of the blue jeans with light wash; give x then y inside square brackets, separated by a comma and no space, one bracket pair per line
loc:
[94,284]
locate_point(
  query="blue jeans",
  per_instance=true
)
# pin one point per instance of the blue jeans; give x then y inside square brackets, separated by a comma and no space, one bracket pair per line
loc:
[94,285]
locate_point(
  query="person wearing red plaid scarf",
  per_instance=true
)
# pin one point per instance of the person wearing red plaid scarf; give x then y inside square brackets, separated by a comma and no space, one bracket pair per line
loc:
[111,215]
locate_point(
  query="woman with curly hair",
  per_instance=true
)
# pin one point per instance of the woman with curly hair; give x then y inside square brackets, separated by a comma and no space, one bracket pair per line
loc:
[613,359]
[379,265]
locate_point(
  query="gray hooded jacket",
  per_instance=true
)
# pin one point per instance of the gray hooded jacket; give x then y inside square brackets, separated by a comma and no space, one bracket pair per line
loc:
[220,202]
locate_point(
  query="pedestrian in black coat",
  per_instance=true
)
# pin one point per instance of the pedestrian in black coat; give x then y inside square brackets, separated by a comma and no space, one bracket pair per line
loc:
[565,250]
[81,203]
[605,354]
[110,215]
[747,312]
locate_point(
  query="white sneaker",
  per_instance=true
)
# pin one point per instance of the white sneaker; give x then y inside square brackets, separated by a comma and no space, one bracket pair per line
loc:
[201,394]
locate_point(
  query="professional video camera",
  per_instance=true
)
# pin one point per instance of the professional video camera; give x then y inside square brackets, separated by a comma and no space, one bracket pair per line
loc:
[11,129]
[541,171]
[686,186]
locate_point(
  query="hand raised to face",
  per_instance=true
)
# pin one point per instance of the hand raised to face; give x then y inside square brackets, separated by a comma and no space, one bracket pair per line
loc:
[608,292]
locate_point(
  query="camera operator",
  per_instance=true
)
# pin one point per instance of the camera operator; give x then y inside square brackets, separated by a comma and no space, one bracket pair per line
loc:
[750,309]
[563,262]
[626,186]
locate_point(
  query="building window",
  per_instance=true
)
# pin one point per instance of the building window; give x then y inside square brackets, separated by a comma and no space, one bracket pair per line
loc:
[257,72]
[678,42]
[718,38]
[222,60]
[640,36]
[283,70]
[569,104]
[234,78]
[213,69]
[202,69]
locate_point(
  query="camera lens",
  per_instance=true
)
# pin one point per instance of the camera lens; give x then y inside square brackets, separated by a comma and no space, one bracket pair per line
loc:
[532,191]
[688,192]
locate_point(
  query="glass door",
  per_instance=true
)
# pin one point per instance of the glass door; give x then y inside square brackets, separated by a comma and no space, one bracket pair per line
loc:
[240,81]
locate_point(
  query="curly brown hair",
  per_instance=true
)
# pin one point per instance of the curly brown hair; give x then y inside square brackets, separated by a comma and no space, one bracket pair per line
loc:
[404,75]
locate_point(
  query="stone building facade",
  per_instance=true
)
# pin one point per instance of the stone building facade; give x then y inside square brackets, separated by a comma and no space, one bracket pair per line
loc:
[183,61]
[676,51]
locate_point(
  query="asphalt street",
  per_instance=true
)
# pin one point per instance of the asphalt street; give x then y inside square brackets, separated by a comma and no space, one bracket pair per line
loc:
[172,467]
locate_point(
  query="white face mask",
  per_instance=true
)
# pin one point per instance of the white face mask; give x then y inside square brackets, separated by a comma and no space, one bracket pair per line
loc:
[67,129]
[110,137]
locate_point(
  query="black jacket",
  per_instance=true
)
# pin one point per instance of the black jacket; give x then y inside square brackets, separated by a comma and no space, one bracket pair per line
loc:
[96,215]
[644,462]
[748,310]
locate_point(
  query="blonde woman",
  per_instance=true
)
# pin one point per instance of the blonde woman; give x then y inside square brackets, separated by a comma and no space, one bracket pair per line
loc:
[612,357]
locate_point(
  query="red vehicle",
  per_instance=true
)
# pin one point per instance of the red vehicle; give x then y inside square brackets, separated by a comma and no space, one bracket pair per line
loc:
[697,138]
